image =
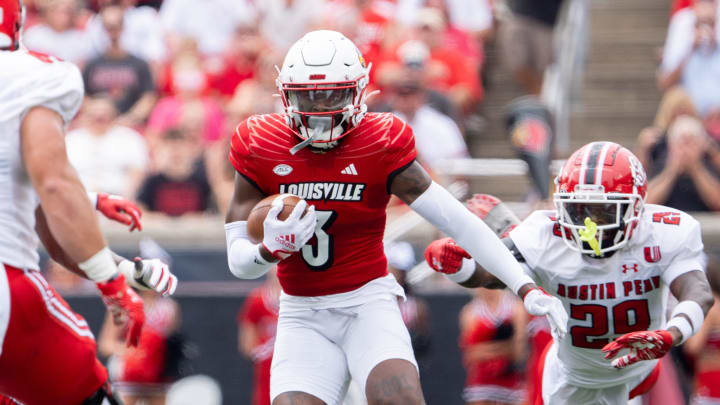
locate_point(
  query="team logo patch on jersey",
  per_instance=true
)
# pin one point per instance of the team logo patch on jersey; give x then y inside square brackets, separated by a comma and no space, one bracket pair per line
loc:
[312,191]
[282,170]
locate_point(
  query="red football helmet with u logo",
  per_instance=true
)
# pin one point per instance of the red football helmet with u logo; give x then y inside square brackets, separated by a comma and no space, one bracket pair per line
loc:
[12,18]
[601,186]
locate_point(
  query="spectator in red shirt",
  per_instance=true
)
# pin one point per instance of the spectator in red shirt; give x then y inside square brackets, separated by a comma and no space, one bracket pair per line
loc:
[257,322]
[239,61]
[449,70]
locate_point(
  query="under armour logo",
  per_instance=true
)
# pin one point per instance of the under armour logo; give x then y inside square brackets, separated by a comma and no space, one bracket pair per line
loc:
[625,268]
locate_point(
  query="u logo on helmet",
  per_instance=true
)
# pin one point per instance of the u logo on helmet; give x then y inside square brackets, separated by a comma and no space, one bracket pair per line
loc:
[639,176]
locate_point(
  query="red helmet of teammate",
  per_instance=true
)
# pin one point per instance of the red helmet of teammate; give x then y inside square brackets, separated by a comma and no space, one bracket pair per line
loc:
[600,197]
[12,18]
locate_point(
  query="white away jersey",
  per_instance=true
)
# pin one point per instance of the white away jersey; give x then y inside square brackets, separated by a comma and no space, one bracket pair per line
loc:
[606,298]
[27,80]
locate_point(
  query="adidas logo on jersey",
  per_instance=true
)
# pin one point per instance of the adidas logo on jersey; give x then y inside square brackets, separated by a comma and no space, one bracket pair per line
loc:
[312,191]
[350,170]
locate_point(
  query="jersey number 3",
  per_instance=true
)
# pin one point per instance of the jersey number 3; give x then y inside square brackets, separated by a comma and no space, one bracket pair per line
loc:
[588,337]
[318,252]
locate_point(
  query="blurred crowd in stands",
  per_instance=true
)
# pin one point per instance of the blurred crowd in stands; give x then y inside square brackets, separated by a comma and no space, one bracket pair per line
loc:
[681,150]
[167,81]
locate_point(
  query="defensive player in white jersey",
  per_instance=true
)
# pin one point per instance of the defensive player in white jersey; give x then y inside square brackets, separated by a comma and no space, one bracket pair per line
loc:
[611,260]
[47,352]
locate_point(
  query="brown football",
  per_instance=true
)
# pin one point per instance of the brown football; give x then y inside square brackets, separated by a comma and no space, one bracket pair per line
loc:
[260,211]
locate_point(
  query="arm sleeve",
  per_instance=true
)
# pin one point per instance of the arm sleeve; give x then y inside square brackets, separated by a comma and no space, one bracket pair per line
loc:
[244,258]
[690,255]
[446,213]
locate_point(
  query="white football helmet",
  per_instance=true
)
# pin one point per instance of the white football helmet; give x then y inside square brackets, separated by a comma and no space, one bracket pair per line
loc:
[323,84]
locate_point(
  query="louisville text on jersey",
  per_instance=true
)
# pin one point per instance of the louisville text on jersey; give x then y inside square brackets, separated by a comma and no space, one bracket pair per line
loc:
[608,291]
[312,191]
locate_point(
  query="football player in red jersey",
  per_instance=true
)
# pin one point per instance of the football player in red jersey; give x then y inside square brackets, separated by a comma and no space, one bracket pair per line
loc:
[338,316]
[47,352]
[611,260]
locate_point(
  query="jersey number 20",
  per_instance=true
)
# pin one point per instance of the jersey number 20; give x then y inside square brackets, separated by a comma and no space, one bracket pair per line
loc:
[318,253]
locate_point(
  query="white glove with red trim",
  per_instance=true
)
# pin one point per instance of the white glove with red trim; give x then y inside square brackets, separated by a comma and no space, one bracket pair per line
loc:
[150,274]
[643,345]
[283,238]
[539,303]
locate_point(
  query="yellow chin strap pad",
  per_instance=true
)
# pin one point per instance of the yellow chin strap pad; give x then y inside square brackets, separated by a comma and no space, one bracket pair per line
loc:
[588,235]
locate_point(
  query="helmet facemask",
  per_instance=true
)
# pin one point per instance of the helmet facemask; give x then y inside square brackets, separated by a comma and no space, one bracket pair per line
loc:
[321,113]
[323,85]
[594,222]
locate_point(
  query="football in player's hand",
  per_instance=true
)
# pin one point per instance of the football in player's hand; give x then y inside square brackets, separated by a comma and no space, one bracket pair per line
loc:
[260,210]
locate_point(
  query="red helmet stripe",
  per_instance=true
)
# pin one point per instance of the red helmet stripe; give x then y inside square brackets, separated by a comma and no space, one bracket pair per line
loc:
[592,162]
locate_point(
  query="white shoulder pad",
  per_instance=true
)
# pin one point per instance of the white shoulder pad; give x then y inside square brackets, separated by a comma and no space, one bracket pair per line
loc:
[679,239]
[28,80]
[531,237]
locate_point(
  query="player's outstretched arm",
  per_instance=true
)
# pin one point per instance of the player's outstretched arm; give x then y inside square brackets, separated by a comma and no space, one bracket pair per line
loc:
[695,295]
[414,186]
[70,216]
[445,256]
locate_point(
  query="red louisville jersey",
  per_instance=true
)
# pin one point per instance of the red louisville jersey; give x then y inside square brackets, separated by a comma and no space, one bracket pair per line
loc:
[348,185]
